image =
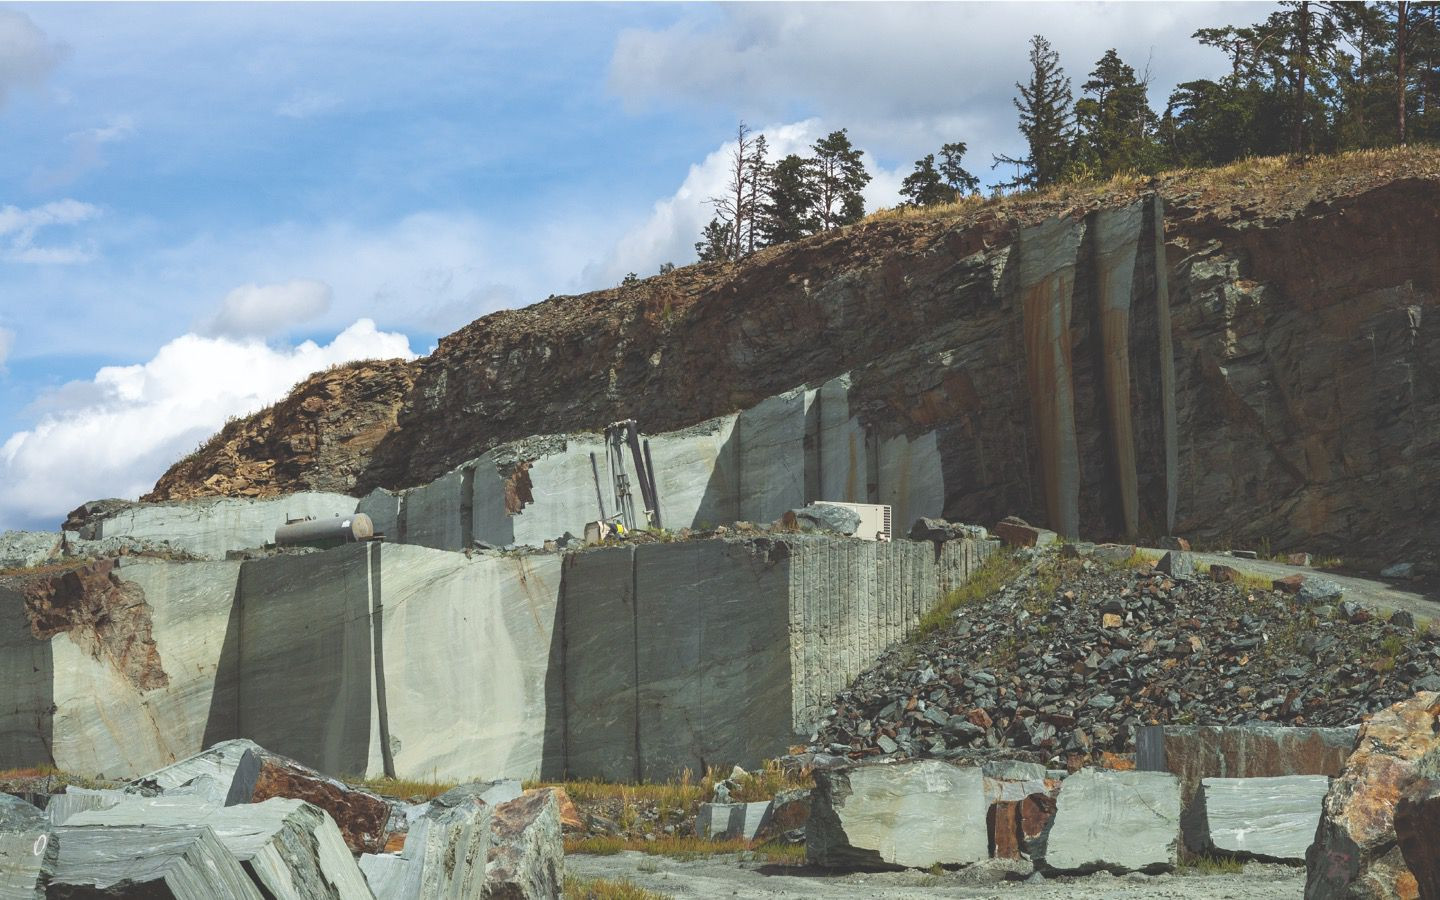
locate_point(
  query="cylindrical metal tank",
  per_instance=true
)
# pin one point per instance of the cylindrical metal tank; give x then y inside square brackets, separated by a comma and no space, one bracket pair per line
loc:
[337,530]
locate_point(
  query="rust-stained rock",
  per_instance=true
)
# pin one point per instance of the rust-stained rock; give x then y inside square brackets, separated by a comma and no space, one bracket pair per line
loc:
[1290,584]
[1224,574]
[527,856]
[569,812]
[1014,825]
[518,490]
[101,613]
[362,816]
[1356,853]
[1417,831]
[1019,533]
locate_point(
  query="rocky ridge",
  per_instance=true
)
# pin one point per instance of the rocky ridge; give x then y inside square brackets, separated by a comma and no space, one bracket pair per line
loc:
[1071,655]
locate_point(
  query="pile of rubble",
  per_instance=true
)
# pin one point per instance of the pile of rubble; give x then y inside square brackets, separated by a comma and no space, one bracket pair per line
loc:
[1080,648]
[240,822]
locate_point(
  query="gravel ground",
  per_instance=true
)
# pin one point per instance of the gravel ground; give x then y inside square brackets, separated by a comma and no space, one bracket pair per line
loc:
[732,876]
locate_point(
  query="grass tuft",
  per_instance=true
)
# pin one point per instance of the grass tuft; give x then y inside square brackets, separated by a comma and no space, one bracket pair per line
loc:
[686,847]
[1214,865]
[998,568]
[604,889]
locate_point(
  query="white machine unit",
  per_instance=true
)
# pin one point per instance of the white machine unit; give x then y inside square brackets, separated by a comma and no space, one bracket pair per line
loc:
[874,519]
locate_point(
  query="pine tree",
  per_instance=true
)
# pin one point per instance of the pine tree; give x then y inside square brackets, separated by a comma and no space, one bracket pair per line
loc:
[924,187]
[1045,120]
[837,176]
[758,177]
[952,173]
[786,212]
[1116,126]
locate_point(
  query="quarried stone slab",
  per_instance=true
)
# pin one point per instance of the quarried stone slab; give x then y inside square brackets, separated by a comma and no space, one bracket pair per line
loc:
[911,814]
[145,861]
[1120,821]
[1271,819]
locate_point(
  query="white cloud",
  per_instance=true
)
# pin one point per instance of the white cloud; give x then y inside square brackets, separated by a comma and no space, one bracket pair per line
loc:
[304,104]
[26,55]
[86,153]
[905,77]
[19,227]
[670,232]
[265,310]
[7,341]
[116,434]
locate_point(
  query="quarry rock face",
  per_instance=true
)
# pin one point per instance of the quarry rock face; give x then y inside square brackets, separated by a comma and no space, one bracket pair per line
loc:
[1260,370]
[1263,818]
[1355,853]
[911,814]
[1417,831]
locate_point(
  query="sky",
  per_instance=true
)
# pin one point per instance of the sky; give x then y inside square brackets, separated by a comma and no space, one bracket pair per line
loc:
[200,204]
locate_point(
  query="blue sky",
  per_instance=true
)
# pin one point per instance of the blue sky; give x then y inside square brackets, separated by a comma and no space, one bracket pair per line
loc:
[201,203]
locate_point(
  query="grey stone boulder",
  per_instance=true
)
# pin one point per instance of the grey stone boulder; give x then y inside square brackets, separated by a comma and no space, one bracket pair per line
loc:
[444,857]
[940,530]
[1177,564]
[731,821]
[527,853]
[827,517]
[1270,819]
[1398,570]
[223,775]
[19,815]
[146,861]
[912,814]
[291,849]
[1320,590]
[1116,821]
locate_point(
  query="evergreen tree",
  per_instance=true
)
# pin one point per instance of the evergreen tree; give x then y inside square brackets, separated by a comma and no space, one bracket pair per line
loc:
[786,212]
[837,175]
[1045,120]
[954,174]
[1115,123]
[716,241]
[924,187]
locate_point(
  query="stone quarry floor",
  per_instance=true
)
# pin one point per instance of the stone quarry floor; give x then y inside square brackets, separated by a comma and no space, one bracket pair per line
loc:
[736,877]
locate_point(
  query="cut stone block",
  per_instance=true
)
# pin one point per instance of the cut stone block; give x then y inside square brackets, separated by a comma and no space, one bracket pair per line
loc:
[731,821]
[1272,819]
[147,861]
[527,856]
[211,527]
[1008,780]
[1193,752]
[292,850]
[1120,821]
[911,814]
[26,850]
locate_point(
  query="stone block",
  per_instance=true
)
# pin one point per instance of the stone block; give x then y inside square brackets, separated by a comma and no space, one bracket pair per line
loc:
[1012,780]
[243,772]
[789,810]
[1116,821]
[383,508]
[732,821]
[911,814]
[435,514]
[1177,564]
[1019,533]
[1271,819]
[527,853]
[144,861]
[291,849]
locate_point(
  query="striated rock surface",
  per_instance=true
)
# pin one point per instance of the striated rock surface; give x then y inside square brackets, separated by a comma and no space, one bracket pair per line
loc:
[912,814]
[1120,821]
[1262,818]
[141,862]
[1356,854]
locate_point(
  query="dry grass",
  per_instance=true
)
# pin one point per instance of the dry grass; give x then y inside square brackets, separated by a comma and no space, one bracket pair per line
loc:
[603,889]
[404,788]
[55,568]
[685,847]
[769,780]
[29,772]
[1214,865]
[998,568]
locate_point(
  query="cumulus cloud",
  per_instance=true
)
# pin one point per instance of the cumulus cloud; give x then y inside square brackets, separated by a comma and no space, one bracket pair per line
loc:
[18,228]
[27,55]
[113,436]
[669,233]
[266,310]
